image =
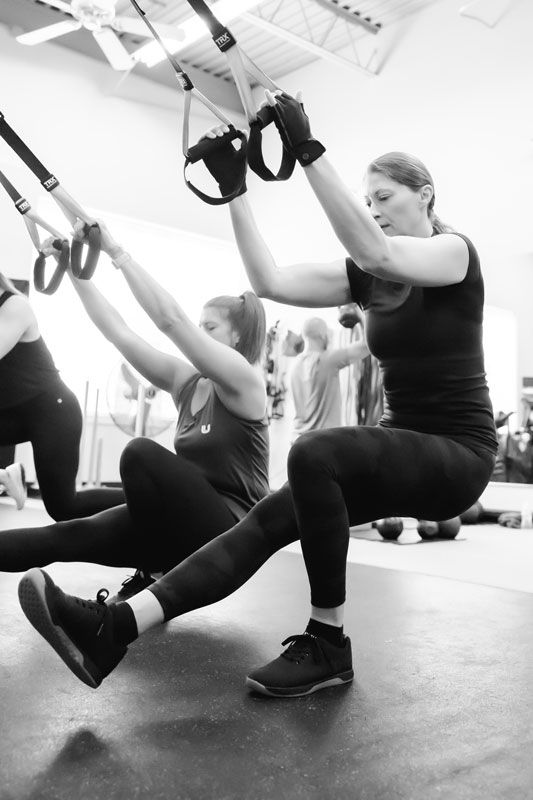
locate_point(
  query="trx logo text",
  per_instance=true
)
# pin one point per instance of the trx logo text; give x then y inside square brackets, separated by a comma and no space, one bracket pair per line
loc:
[222,40]
[23,206]
[50,182]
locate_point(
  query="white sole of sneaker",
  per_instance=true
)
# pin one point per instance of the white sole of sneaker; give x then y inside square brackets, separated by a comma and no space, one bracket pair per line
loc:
[32,596]
[299,691]
[15,484]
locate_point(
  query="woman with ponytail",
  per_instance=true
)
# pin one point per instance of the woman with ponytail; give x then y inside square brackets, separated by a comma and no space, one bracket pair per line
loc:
[175,502]
[37,407]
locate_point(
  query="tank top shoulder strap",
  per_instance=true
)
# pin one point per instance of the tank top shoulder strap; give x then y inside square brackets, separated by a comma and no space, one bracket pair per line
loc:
[183,398]
[5,297]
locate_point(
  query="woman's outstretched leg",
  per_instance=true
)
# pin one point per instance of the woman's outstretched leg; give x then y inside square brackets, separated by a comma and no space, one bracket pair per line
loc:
[107,538]
[172,510]
[223,565]
[92,638]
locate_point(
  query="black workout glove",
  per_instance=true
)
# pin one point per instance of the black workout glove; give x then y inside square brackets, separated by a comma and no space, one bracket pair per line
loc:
[226,164]
[295,130]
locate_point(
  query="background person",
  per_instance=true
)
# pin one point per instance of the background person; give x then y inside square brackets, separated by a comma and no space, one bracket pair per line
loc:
[37,407]
[315,384]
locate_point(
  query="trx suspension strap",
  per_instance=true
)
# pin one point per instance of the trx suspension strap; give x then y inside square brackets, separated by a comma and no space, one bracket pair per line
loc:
[70,208]
[205,146]
[60,243]
[242,66]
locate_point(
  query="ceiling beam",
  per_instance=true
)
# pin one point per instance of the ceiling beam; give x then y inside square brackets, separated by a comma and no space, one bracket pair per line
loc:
[317,50]
[345,12]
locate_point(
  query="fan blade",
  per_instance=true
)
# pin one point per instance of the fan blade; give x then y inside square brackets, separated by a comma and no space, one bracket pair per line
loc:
[59,4]
[136,27]
[489,12]
[50,32]
[113,49]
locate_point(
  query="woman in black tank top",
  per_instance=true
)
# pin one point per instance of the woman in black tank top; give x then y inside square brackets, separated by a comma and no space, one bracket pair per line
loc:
[175,502]
[37,407]
[430,456]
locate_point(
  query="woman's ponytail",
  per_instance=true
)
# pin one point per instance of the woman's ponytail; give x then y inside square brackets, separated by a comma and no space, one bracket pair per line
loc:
[246,314]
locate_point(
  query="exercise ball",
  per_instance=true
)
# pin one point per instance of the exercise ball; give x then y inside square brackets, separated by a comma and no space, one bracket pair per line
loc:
[390,527]
[427,529]
[472,514]
[449,528]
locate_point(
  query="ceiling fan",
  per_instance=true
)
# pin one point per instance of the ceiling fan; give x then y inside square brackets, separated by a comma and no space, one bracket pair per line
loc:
[99,17]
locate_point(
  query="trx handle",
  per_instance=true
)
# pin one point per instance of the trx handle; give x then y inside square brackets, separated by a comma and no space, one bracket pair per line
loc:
[242,66]
[46,178]
[265,116]
[206,146]
[93,239]
[62,265]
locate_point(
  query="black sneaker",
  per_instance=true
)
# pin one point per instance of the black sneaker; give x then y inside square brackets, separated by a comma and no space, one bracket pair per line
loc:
[133,584]
[309,663]
[80,631]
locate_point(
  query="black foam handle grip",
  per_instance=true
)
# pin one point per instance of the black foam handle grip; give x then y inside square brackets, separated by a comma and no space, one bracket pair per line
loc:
[93,240]
[206,146]
[256,162]
[265,116]
[53,284]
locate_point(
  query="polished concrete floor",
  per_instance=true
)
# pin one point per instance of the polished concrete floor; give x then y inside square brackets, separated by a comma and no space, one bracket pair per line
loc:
[441,706]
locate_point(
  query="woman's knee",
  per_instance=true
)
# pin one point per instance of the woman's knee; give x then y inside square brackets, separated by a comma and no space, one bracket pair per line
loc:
[138,451]
[274,517]
[311,452]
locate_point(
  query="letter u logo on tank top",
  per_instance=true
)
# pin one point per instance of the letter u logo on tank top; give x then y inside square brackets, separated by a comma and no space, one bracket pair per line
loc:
[205,428]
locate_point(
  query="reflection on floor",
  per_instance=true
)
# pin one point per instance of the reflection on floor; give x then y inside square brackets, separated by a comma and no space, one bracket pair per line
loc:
[441,706]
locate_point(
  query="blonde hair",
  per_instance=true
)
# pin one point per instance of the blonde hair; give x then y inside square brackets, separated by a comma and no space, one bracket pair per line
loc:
[409,171]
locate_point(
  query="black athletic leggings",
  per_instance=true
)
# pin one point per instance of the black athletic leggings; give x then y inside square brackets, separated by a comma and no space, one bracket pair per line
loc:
[338,477]
[52,422]
[171,511]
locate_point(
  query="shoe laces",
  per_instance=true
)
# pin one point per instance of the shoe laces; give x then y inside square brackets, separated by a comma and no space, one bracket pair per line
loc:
[138,576]
[94,605]
[300,646]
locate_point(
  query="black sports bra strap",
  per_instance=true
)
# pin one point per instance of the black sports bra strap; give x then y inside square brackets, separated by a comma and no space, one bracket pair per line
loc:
[5,297]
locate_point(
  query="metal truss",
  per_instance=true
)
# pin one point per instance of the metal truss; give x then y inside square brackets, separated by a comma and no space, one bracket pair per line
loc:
[345,26]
